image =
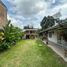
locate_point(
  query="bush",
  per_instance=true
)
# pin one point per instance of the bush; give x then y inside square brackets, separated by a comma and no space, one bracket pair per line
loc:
[4,46]
[10,36]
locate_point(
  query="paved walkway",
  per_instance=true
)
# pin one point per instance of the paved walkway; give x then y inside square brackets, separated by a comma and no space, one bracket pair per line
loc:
[58,50]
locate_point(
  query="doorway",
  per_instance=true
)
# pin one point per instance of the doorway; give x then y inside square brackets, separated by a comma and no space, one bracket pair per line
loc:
[27,37]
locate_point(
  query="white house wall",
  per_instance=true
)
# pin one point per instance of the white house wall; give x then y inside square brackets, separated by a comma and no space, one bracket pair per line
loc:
[53,38]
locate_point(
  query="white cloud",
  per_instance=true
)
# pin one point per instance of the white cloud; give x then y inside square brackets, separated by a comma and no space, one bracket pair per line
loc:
[16,23]
[32,11]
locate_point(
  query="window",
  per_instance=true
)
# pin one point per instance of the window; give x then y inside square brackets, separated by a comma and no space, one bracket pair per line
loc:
[50,34]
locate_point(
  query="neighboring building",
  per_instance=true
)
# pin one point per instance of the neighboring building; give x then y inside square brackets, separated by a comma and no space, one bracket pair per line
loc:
[56,38]
[30,33]
[3,15]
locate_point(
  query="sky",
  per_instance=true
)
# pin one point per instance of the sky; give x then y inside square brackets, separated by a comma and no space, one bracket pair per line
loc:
[31,12]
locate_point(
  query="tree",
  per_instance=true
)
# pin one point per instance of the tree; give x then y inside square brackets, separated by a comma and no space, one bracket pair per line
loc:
[47,22]
[11,36]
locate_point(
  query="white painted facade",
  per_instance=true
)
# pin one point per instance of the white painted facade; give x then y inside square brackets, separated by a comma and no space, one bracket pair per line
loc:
[53,38]
[57,42]
[54,35]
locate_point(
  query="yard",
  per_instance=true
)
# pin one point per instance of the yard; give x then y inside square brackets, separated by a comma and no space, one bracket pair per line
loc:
[30,53]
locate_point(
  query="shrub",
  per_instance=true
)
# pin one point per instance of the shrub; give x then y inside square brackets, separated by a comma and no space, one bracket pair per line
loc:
[4,46]
[10,36]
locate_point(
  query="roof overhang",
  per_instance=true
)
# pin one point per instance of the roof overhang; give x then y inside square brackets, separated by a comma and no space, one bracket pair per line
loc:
[59,26]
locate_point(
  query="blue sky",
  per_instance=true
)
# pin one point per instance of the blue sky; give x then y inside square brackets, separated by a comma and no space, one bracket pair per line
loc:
[31,12]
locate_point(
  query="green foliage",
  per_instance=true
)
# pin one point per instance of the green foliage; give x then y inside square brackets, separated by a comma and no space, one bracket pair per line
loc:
[11,36]
[31,53]
[4,45]
[47,22]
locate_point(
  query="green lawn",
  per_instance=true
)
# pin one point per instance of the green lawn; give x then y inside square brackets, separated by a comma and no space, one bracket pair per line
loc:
[30,53]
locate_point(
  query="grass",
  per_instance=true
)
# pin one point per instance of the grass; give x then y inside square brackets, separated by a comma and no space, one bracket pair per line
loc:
[30,53]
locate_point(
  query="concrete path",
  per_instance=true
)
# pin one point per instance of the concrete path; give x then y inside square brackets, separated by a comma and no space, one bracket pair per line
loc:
[58,50]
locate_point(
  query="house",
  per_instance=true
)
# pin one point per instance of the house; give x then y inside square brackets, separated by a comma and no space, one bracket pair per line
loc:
[3,14]
[56,38]
[30,32]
